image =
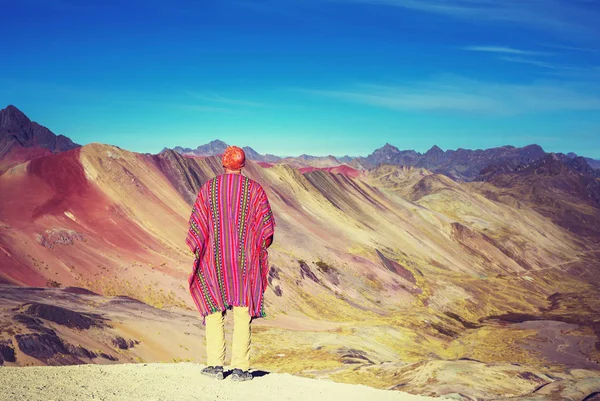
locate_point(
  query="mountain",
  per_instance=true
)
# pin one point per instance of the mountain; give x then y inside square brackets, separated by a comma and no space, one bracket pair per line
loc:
[212,148]
[465,164]
[593,163]
[255,156]
[433,157]
[217,147]
[397,277]
[389,154]
[252,154]
[460,164]
[338,169]
[22,139]
[396,253]
[552,185]
[305,160]
[181,150]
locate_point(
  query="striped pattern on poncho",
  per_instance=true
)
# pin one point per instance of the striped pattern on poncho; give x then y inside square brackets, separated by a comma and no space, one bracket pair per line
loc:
[230,229]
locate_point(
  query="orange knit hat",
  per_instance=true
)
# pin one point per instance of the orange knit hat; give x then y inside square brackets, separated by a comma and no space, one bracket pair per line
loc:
[234,158]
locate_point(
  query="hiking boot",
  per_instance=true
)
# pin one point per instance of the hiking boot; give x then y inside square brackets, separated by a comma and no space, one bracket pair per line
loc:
[240,375]
[216,372]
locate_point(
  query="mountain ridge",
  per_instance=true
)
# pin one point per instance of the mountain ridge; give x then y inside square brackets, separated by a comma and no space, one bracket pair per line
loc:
[377,275]
[217,147]
[460,164]
[550,185]
[22,139]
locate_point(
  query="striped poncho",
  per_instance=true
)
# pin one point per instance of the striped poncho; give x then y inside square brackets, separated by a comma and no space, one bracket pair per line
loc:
[230,229]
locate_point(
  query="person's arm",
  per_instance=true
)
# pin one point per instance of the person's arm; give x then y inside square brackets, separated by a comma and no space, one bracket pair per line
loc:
[266,229]
[198,226]
[267,221]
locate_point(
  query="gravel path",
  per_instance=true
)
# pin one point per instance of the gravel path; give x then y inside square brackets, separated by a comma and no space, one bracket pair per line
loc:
[172,382]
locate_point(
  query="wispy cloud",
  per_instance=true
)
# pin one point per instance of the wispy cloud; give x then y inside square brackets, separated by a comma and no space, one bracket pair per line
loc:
[457,94]
[536,63]
[153,100]
[572,48]
[194,107]
[215,98]
[578,74]
[586,73]
[564,15]
[514,55]
[62,5]
[502,50]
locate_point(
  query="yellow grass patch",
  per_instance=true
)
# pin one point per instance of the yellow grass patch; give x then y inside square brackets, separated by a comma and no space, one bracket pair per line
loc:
[149,294]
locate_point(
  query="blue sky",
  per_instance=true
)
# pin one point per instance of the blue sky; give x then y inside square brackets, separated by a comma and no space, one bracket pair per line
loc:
[308,76]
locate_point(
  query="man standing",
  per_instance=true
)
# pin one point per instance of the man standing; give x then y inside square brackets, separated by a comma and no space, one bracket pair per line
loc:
[230,229]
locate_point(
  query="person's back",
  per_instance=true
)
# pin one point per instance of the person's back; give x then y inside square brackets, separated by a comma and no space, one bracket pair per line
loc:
[230,229]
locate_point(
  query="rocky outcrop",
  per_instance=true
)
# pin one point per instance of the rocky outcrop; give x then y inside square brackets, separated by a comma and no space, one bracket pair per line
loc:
[58,236]
[305,271]
[51,349]
[124,344]
[18,131]
[63,316]
[7,352]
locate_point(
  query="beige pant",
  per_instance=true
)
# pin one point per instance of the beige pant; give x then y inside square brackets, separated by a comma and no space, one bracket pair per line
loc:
[215,339]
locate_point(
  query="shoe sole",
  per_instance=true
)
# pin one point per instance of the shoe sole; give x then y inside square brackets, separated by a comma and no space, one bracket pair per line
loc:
[218,376]
[240,379]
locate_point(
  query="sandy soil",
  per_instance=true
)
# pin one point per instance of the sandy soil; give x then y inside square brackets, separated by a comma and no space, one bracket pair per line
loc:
[172,382]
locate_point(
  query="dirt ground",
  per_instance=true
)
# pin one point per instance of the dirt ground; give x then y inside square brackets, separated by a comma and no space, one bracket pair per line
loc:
[173,382]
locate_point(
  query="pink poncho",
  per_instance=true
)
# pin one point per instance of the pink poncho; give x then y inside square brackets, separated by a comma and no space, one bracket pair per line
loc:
[230,229]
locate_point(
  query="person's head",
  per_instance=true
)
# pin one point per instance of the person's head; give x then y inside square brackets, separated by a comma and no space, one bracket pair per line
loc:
[234,159]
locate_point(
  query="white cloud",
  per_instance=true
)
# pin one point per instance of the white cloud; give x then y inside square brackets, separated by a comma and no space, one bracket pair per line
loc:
[196,107]
[462,95]
[215,98]
[558,15]
[501,50]
[537,63]
[572,48]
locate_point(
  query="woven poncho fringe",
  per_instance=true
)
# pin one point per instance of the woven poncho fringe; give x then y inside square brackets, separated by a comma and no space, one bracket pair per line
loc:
[230,229]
